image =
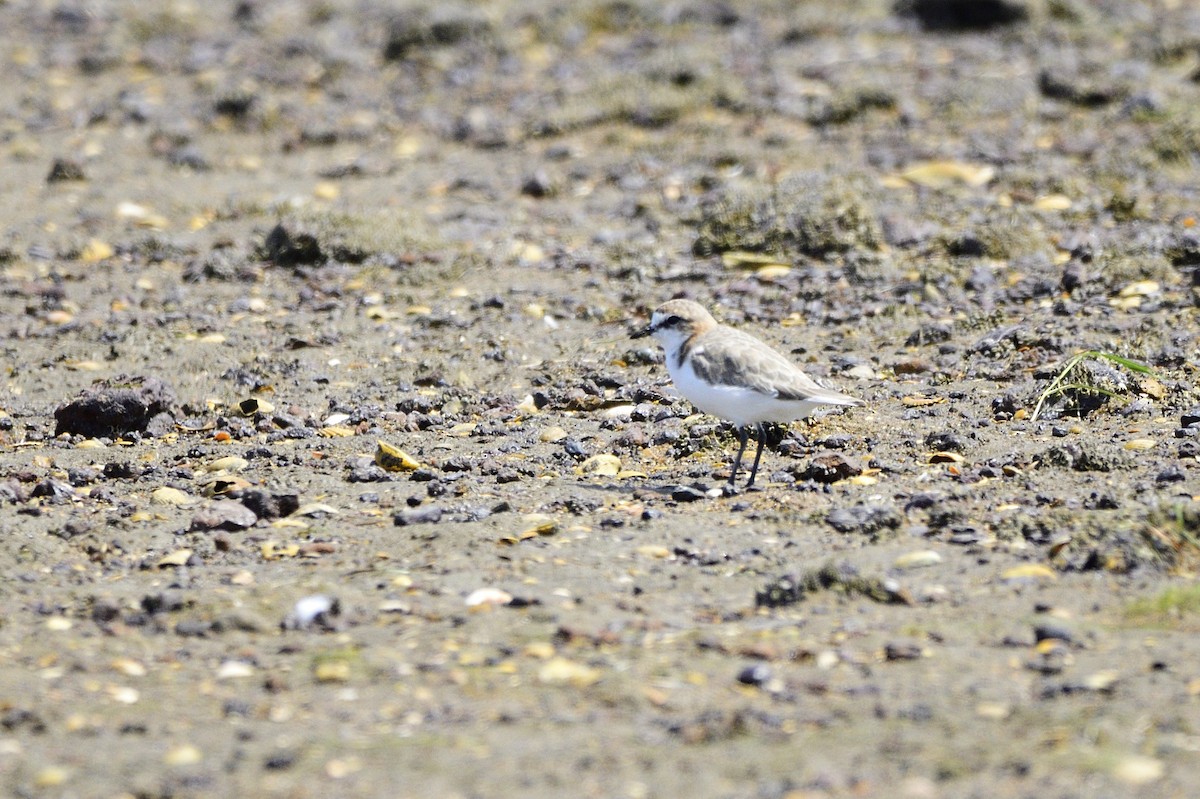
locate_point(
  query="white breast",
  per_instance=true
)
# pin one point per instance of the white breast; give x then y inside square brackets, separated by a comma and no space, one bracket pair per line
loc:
[742,406]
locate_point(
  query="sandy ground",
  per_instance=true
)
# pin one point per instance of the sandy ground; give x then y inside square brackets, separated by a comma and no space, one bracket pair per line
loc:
[242,244]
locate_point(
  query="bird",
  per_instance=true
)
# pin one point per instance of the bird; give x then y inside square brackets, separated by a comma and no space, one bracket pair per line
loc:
[731,374]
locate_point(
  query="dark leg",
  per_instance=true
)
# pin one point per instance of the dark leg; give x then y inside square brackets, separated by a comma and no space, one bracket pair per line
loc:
[757,454]
[744,437]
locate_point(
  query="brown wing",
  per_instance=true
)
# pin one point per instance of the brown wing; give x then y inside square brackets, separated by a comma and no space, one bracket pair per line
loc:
[734,358]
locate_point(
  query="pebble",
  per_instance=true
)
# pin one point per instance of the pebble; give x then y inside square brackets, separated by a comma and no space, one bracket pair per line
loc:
[902,650]
[829,467]
[183,755]
[166,495]
[561,671]
[427,515]
[1045,631]
[757,674]
[687,494]
[945,441]
[603,465]
[223,514]
[1139,770]
[919,559]
[488,596]
[552,434]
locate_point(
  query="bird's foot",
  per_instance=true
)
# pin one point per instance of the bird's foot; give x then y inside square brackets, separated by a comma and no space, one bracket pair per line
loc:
[729,490]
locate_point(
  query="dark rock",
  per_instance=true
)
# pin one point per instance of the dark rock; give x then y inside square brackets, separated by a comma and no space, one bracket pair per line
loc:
[901,650]
[19,719]
[65,170]
[1172,474]
[1073,276]
[284,248]
[164,602]
[537,185]
[931,333]
[1048,630]
[269,506]
[114,407]
[56,491]
[962,15]
[945,441]
[105,611]
[1080,459]
[193,628]
[687,494]
[828,468]
[757,674]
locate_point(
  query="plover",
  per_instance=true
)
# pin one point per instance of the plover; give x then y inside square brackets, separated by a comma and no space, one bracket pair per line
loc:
[733,375]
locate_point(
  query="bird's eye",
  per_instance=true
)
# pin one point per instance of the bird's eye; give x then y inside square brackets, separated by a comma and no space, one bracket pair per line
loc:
[672,321]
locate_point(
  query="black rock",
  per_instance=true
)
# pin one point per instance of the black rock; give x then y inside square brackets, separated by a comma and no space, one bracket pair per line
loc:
[1171,474]
[284,248]
[757,674]
[962,15]
[687,494]
[269,506]
[945,441]
[114,407]
[65,170]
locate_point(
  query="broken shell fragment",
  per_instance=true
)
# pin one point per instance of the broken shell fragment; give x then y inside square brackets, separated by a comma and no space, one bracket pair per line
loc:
[394,459]
[488,596]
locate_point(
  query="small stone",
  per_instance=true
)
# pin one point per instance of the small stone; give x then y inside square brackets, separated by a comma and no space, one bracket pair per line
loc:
[314,610]
[1028,572]
[560,671]
[179,557]
[918,559]
[223,515]
[1046,631]
[1172,474]
[427,515]
[829,467]
[945,441]
[687,494]
[902,650]
[234,670]
[757,674]
[183,755]
[114,407]
[51,777]
[230,463]
[603,465]
[63,170]
[537,185]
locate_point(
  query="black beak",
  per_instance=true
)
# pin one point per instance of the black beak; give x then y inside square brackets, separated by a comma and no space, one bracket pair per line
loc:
[642,332]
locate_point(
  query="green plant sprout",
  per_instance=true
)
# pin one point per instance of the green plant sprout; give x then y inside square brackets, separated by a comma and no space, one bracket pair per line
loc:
[1060,385]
